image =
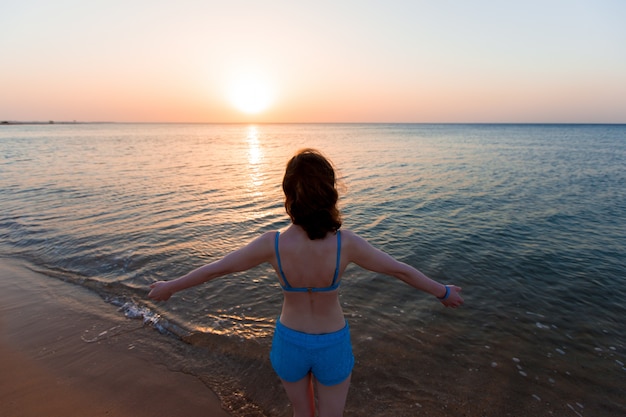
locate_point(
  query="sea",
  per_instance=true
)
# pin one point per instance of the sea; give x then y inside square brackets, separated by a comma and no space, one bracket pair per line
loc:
[529,219]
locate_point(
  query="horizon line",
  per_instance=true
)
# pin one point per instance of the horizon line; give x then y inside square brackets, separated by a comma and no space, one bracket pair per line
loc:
[61,122]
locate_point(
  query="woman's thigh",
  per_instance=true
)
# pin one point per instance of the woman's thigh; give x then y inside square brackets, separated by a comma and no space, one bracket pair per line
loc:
[332,399]
[300,394]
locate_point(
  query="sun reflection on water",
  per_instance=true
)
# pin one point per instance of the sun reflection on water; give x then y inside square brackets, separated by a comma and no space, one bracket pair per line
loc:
[255,154]
[256,174]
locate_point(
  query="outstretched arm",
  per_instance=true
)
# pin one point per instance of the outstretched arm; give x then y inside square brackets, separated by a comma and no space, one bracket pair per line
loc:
[366,256]
[255,253]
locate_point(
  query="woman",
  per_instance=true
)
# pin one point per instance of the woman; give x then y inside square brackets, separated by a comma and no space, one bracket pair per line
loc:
[312,338]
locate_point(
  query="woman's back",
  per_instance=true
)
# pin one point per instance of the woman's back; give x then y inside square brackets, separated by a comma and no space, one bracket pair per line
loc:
[310,271]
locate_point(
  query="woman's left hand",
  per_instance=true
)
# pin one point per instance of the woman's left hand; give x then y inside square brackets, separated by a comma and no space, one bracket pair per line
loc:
[454,299]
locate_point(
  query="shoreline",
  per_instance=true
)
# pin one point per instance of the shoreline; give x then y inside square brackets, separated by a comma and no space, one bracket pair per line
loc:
[65,352]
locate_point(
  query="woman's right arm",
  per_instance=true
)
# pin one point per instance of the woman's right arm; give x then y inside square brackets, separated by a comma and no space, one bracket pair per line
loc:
[255,253]
[362,253]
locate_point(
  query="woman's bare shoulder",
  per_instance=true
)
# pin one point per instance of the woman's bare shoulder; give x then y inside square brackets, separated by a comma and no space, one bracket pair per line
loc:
[349,235]
[351,239]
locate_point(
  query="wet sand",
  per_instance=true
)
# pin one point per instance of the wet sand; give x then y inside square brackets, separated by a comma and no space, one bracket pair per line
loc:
[65,352]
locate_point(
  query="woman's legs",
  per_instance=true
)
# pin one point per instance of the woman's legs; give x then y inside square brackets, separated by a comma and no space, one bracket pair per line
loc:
[331,400]
[301,395]
[328,356]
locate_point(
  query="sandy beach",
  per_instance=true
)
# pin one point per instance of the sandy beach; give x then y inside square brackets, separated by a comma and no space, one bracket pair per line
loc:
[65,352]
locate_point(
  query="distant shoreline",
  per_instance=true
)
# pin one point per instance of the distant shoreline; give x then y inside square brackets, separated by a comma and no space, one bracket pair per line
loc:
[50,122]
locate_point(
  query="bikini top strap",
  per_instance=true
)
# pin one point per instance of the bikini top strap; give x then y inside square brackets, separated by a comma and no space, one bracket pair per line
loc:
[338,262]
[280,266]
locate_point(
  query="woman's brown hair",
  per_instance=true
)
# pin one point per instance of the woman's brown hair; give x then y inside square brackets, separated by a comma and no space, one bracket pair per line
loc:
[311,194]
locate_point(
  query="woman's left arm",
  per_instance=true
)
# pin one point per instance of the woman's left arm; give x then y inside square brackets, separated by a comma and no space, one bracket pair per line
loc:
[366,256]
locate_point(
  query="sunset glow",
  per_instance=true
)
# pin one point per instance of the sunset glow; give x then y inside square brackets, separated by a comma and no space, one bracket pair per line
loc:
[401,61]
[250,94]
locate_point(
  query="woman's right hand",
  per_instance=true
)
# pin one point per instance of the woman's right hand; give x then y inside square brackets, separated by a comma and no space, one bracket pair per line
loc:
[160,291]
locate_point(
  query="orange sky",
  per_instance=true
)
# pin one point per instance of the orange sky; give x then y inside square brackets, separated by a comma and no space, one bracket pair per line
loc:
[348,61]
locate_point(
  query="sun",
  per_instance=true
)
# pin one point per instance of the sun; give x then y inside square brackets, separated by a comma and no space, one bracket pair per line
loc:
[251,94]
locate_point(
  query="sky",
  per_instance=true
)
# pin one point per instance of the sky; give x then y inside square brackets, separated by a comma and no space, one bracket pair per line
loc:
[413,61]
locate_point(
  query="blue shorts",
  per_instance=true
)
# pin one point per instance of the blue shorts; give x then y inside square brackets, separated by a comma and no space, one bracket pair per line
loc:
[328,356]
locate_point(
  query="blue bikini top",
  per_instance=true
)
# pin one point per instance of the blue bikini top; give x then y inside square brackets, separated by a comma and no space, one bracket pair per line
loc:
[287,287]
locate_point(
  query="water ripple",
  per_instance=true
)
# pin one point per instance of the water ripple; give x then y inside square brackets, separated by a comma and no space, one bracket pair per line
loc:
[528,219]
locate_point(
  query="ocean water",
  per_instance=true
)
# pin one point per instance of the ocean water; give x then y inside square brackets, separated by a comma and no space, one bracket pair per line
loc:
[529,219]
